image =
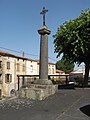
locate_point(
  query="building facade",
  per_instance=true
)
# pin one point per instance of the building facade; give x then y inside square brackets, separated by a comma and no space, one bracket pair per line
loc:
[7,75]
[12,65]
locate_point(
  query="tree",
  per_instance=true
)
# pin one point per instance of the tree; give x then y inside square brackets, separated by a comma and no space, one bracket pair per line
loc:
[65,65]
[73,40]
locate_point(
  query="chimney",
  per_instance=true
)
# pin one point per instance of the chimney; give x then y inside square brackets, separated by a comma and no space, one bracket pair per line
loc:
[22,54]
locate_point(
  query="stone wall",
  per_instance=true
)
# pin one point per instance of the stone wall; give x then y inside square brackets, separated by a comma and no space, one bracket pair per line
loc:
[37,92]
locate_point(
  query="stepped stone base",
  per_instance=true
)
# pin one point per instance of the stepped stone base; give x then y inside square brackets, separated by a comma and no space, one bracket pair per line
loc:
[43,82]
[37,91]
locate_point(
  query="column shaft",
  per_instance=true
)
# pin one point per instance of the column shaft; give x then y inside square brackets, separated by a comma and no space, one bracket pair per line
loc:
[43,72]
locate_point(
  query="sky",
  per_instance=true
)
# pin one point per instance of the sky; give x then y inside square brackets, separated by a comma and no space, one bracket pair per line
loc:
[20,20]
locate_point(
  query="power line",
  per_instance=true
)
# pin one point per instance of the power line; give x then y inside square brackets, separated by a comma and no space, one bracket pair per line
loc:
[26,53]
[52,59]
[19,63]
[18,51]
[10,50]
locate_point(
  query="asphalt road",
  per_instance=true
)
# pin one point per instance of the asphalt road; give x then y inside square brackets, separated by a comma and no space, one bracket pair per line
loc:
[64,105]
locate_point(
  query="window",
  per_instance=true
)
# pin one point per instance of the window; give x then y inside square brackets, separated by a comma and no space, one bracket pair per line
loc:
[31,68]
[8,65]
[23,68]
[49,71]
[8,78]
[52,70]
[0,92]
[0,64]
[18,67]
[0,78]
[17,59]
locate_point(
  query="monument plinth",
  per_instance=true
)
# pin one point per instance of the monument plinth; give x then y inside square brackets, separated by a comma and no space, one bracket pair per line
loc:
[44,30]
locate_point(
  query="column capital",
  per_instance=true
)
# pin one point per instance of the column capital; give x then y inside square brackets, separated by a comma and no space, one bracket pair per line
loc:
[44,30]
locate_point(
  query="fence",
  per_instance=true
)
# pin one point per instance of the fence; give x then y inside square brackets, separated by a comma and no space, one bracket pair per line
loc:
[29,79]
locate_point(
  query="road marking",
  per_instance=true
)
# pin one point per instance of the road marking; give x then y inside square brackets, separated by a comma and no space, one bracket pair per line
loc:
[78,118]
[63,113]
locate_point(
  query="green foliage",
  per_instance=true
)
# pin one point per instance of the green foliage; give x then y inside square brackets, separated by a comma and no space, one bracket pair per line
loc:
[73,39]
[66,65]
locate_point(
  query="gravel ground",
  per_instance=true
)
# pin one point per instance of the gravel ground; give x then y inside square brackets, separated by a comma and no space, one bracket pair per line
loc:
[17,104]
[64,105]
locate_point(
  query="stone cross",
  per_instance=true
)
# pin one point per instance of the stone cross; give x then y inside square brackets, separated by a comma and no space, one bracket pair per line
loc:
[43,12]
[43,65]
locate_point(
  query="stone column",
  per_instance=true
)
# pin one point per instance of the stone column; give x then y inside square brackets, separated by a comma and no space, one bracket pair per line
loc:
[43,64]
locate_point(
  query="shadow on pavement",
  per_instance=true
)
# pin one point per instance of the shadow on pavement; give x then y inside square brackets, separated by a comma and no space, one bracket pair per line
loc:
[68,86]
[86,110]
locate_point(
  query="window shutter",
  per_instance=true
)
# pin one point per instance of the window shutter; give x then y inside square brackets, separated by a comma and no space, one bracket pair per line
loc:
[8,65]
[18,67]
[11,78]
[5,78]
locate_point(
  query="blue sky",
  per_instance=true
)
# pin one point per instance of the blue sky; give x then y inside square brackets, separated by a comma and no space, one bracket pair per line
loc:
[20,20]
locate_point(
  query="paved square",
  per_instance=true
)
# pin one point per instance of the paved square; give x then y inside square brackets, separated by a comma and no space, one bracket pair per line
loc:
[64,105]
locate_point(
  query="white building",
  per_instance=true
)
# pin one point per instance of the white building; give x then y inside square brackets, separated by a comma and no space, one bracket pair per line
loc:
[31,67]
[12,65]
[76,74]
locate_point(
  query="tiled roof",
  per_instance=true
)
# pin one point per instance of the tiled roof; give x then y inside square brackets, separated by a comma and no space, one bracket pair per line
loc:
[5,53]
[48,62]
[51,63]
[59,71]
[0,59]
[76,71]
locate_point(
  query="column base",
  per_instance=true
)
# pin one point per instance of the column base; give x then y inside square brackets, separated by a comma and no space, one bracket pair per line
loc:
[37,91]
[43,82]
